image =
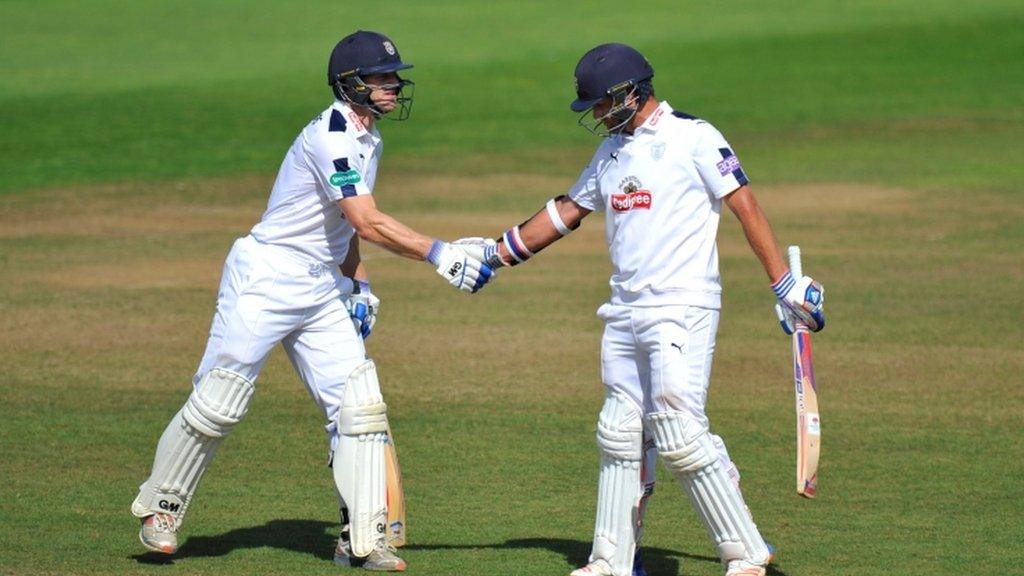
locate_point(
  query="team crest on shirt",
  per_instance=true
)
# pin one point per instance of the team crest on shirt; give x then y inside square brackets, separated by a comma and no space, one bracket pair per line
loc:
[633,196]
[657,150]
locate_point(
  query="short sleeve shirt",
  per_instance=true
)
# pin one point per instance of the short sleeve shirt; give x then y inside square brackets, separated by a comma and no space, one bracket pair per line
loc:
[334,157]
[661,190]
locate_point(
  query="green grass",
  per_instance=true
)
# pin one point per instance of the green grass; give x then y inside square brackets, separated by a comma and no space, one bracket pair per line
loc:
[138,139]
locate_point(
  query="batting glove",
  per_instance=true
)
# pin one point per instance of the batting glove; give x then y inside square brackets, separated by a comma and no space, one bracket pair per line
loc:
[800,302]
[362,308]
[458,267]
[483,249]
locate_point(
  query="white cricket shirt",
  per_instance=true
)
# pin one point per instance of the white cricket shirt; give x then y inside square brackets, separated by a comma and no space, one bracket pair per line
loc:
[661,189]
[334,157]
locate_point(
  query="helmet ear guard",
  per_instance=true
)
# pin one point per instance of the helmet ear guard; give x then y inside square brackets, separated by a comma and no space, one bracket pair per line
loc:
[349,87]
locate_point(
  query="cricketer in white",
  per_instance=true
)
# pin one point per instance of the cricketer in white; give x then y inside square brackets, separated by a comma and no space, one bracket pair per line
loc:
[660,177]
[298,279]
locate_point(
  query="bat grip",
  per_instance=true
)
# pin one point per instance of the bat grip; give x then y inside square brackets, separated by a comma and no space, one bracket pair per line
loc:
[794,262]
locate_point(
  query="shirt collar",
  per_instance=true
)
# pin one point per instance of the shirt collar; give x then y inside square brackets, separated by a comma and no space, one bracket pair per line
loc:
[655,120]
[353,122]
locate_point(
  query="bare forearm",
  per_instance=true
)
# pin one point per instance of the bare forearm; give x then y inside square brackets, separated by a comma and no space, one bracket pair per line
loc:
[392,235]
[376,227]
[758,232]
[541,230]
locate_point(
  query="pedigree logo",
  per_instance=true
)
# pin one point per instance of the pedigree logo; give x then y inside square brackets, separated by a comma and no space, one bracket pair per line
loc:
[632,197]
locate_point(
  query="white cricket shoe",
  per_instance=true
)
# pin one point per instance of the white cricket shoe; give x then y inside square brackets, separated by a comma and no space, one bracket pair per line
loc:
[744,568]
[159,533]
[383,558]
[595,568]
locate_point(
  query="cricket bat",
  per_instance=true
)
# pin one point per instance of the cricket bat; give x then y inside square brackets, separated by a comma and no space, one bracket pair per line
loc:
[395,495]
[808,421]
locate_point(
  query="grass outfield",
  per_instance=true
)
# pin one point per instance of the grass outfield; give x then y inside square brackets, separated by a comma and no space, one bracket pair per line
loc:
[140,139]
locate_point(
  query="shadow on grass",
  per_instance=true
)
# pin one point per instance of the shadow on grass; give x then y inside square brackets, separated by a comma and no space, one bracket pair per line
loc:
[305,536]
[313,537]
[576,552]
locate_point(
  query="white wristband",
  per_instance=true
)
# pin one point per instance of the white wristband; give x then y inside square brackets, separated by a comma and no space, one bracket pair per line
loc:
[556,218]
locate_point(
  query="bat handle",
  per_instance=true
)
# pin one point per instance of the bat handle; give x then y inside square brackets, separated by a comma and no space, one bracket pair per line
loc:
[794,262]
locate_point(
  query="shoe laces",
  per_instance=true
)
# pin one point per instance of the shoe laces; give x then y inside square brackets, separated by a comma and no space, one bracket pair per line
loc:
[384,546]
[164,523]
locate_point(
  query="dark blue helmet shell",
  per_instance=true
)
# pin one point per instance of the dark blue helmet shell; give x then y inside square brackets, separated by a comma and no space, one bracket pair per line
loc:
[606,69]
[361,54]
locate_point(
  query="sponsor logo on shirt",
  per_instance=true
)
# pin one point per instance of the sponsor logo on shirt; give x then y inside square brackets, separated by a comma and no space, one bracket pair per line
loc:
[729,164]
[632,197]
[340,179]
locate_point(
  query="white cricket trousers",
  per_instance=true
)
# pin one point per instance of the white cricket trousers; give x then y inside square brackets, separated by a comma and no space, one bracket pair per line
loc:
[660,356]
[270,294]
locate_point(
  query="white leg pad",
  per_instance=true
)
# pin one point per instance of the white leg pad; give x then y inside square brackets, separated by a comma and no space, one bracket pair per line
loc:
[620,490]
[218,402]
[359,462]
[690,453]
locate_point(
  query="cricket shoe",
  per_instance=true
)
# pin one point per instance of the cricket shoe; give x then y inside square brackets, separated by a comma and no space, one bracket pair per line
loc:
[383,557]
[159,533]
[595,568]
[744,568]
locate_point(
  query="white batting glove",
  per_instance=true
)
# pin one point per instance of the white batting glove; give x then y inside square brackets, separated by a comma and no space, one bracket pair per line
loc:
[362,308]
[483,249]
[458,267]
[800,301]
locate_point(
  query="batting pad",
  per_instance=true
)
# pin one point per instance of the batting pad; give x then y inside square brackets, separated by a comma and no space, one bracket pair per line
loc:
[689,452]
[359,468]
[186,448]
[620,490]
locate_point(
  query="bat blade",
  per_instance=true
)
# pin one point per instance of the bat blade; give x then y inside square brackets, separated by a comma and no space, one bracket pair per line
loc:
[808,418]
[395,495]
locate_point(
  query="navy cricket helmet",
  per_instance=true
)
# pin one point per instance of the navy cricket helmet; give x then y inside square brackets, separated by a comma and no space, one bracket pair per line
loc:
[607,70]
[362,54]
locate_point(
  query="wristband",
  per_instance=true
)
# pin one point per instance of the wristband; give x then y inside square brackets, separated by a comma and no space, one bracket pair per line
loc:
[435,252]
[362,287]
[784,284]
[556,218]
[516,248]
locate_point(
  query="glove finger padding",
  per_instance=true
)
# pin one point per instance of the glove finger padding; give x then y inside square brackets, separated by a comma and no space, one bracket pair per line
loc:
[483,249]
[810,308]
[785,319]
[363,309]
[460,268]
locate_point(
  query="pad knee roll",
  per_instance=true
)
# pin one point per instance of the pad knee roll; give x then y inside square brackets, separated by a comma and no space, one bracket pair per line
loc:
[218,402]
